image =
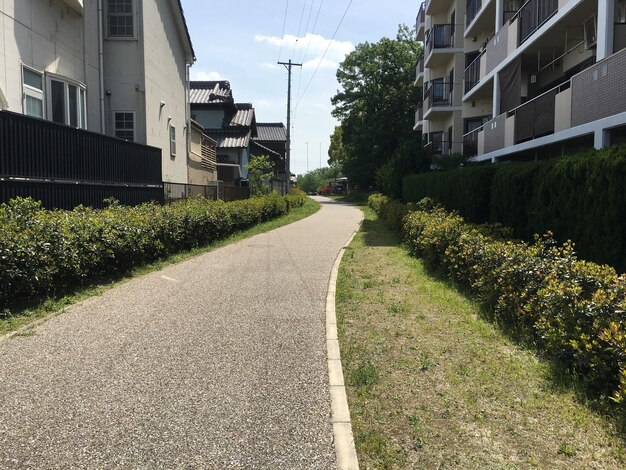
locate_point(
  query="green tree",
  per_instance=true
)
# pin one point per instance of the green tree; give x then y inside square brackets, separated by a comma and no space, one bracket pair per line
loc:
[315,179]
[376,105]
[260,171]
[336,151]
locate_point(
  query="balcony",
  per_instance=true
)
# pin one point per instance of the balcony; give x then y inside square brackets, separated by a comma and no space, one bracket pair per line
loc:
[420,22]
[533,14]
[438,94]
[473,7]
[473,73]
[419,72]
[419,118]
[435,7]
[441,36]
[470,143]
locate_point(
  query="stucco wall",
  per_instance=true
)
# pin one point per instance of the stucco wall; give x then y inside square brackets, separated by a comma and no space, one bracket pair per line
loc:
[49,36]
[165,81]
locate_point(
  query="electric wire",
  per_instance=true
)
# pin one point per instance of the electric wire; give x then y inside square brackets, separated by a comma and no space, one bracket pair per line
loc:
[325,52]
[282,36]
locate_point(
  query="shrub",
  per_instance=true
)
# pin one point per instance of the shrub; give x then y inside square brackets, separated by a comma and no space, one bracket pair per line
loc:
[42,251]
[573,310]
[579,198]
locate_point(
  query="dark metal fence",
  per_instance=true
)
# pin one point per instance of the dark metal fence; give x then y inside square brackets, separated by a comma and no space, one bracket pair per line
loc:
[438,93]
[175,191]
[64,167]
[473,7]
[440,36]
[533,14]
[472,74]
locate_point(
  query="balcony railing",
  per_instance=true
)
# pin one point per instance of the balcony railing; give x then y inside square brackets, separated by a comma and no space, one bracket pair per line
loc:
[533,14]
[473,7]
[419,115]
[535,118]
[438,93]
[472,74]
[470,143]
[421,16]
[419,68]
[440,36]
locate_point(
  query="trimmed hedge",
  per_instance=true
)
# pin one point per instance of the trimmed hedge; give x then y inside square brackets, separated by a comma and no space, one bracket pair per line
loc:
[574,310]
[42,251]
[580,198]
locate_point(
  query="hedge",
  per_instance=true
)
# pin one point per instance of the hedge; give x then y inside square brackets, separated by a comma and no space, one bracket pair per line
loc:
[580,198]
[42,251]
[574,310]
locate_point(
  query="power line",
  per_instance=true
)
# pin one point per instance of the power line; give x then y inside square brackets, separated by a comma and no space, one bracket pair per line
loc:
[325,52]
[312,30]
[308,21]
[282,36]
[299,28]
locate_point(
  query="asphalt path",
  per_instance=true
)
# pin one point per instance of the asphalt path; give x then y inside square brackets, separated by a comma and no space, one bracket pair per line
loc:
[216,362]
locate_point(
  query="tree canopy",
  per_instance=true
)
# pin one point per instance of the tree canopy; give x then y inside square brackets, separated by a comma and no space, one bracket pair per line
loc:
[315,179]
[376,106]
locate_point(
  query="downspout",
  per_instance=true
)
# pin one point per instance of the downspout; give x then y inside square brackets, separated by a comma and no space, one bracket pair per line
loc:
[101,65]
[188,117]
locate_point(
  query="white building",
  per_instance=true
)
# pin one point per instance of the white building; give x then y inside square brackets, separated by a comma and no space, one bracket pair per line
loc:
[118,67]
[512,79]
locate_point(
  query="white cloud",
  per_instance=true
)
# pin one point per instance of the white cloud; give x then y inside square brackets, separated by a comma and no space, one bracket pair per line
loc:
[202,75]
[324,64]
[268,65]
[313,45]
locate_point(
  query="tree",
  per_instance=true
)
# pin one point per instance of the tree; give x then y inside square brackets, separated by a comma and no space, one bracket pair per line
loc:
[315,179]
[376,104]
[260,171]
[336,152]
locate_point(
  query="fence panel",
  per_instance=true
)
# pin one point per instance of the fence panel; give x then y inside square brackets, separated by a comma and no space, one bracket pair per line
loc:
[45,160]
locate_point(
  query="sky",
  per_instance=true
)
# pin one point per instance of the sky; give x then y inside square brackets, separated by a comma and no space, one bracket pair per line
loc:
[242,40]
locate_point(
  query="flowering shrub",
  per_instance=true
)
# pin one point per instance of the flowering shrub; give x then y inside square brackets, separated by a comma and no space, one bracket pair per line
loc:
[42,250]
[574,310]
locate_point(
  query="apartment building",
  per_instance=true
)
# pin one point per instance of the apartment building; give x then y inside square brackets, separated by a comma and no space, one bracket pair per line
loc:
[512,80]
[117,67]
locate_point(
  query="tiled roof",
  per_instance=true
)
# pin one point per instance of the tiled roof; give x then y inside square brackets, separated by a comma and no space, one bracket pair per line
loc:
[230,138]
[271,132]
[242,116]
[258,149]
[210,92]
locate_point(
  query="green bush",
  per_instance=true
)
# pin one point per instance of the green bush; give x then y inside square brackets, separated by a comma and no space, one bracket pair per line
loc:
[574,310]
[42,251]
[580,198]
[467,190]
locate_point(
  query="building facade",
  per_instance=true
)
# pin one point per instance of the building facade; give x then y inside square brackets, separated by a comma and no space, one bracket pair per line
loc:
[514,80]
[118,67]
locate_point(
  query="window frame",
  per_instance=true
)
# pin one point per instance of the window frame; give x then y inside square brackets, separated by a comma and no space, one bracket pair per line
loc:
[115,129]
[80,101]
[32,92]
[133,14]
[172,138]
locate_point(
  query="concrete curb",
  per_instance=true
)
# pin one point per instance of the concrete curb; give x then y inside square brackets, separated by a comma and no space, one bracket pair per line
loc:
[342,425]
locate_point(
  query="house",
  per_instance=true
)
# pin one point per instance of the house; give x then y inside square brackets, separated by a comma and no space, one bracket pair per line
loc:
[514,80]
[271,141]
[232,125]
[118,67]
[202,157]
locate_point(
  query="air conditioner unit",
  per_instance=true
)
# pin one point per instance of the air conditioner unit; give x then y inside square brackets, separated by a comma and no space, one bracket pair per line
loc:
[590,29]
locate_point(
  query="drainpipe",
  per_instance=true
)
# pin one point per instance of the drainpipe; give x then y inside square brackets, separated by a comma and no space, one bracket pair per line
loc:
[188,118]
[101,64]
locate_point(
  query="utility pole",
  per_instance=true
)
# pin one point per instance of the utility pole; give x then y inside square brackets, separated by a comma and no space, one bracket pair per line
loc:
[320,155]
[288,66]
[307,157]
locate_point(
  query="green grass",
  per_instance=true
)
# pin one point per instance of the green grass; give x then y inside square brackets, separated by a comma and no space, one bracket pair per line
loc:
[433,384]
[12,319]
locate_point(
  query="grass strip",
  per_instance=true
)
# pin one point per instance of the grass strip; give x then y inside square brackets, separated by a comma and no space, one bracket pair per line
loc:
[14,318]
[432,384]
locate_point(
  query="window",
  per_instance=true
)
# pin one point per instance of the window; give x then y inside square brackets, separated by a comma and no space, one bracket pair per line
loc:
[120,19]
[124,125]
[66,102]
[172,141]
[32,87]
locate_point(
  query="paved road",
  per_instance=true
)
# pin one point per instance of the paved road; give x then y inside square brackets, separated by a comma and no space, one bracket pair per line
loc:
[217,362]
